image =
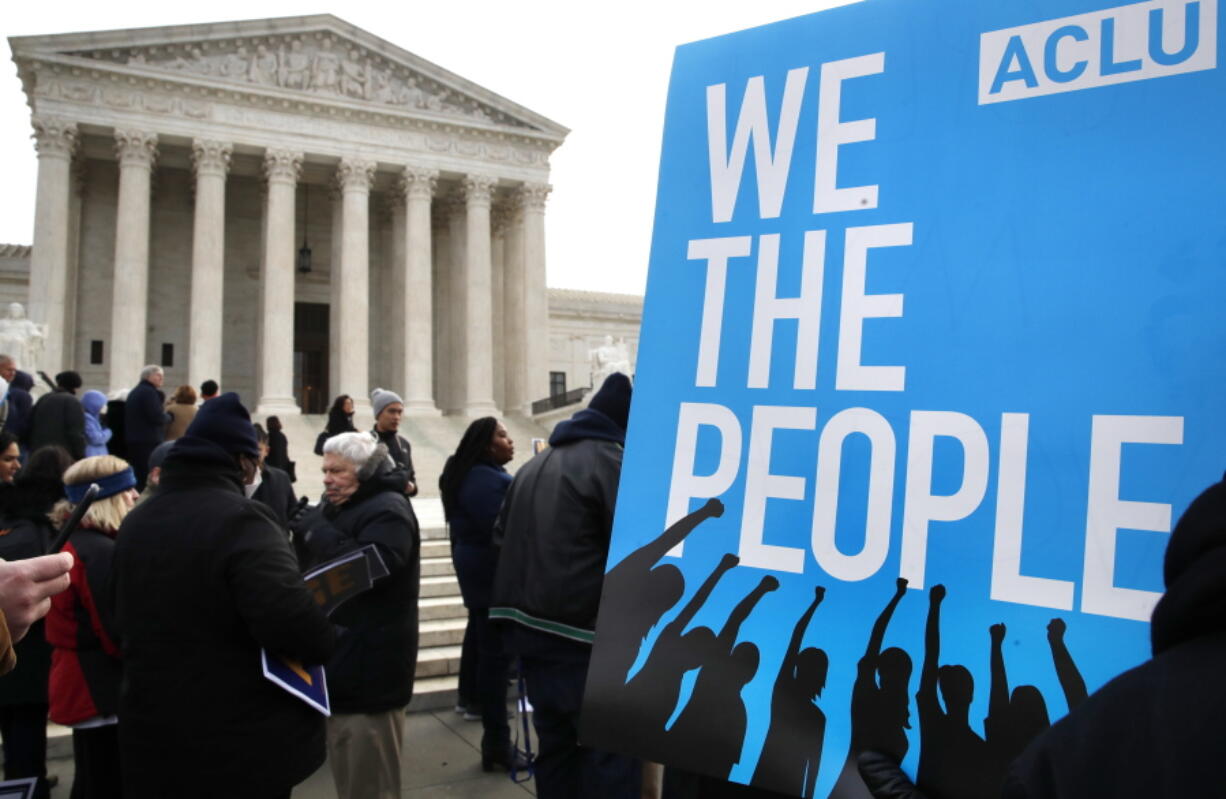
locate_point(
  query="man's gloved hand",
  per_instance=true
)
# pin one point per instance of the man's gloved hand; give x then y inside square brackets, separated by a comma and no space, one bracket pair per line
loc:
[885,778]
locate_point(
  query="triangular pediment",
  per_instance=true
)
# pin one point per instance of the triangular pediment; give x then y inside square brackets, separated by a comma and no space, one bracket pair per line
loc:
[318,57]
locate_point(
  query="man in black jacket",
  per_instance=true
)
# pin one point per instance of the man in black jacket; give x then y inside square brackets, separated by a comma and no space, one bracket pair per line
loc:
[145,419]
[272,486]
[58,418]
[203,580]
[1153,731]
[370,678]
[554,532]
[389,409]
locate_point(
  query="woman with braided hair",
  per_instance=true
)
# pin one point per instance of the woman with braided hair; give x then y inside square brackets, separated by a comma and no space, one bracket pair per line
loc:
[473,485]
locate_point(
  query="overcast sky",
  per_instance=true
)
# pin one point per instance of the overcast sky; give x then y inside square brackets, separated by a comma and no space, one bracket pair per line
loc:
[600,70]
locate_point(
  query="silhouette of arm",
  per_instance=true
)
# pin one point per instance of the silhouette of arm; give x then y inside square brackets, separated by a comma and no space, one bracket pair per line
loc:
[647,555]
[726,564]
[998,699]
[727,636]
[883,621]
[1066,670]
[798,633]
[927,694]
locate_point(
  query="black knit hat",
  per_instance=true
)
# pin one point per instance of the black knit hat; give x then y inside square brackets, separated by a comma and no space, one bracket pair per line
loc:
[225,422]
[613,399]
[68,380]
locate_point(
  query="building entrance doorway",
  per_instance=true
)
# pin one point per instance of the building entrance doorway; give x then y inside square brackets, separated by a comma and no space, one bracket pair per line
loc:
[311,356]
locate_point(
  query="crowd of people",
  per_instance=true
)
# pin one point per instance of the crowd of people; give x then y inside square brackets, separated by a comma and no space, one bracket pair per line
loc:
[145,634]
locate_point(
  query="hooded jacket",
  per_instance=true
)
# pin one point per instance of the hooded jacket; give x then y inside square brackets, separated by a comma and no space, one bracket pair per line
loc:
[1154,731]
[203,578]
[554,528]
[96,436]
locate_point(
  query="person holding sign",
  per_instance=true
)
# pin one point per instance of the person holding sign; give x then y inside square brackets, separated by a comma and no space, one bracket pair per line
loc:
[370,678]
[553,531]
[473,485]
[203,579]
[86,669]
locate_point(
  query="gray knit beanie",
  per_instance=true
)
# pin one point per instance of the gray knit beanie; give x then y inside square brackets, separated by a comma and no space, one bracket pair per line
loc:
[380,398]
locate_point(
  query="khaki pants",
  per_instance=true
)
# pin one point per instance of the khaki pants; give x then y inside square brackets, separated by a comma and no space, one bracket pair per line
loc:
[364,752]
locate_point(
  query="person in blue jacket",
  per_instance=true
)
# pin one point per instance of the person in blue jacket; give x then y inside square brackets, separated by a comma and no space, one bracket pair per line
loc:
[473,484]
[96,435]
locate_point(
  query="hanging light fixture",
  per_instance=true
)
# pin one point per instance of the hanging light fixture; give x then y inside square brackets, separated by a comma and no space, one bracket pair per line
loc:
[304,252]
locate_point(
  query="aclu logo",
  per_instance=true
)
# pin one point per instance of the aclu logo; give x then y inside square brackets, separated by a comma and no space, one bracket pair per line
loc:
[1117,45]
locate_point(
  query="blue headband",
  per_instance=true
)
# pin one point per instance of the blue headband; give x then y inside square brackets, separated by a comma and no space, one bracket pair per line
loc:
[108,486]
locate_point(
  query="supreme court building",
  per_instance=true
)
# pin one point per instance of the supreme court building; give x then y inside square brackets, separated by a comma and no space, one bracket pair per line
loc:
[292,206]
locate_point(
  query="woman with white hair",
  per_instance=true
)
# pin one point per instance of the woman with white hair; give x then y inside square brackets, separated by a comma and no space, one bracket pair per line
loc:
[370,677]
[85,665]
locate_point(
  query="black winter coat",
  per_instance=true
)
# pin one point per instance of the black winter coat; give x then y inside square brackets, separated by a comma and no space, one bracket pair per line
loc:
[145,417]
[277,493]
[25,532]
[376,651]
[203,578]
[554,528]
[1154,731]
[59,419]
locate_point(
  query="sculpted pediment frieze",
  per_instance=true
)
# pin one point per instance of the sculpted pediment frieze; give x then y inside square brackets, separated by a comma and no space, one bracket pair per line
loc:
[323,65]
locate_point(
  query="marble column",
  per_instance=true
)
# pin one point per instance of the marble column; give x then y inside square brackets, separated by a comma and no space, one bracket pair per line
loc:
[55,141]
[514,283]
[356,176]
[536,299]
[275,374]
[478,300]
[392,296]
[136,151]
[418,300]
[211,161]
[334,293]
[499,217]
[457,291]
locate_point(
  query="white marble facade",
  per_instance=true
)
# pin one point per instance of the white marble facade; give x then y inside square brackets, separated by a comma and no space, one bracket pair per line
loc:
[181,168]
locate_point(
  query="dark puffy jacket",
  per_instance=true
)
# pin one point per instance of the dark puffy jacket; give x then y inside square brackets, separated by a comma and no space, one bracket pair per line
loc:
[59,419]
[472,529]
[203,578]
[554,529]
[1153,731]
[376,650]
[402,453]
[277,493]
[144,417]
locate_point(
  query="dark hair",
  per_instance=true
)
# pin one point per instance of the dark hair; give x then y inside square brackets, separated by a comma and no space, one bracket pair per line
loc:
[7,439]
[474,448]
[339,421]
[261,435]
[274,424]
[40,483]
[68,380]
[208,388]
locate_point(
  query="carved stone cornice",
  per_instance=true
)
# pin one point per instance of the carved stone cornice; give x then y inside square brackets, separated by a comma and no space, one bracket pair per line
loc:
[136,148]
[478,189]
[282,166]
[355,174]
[54,137]
[532,195]
[211,157]
[418,182]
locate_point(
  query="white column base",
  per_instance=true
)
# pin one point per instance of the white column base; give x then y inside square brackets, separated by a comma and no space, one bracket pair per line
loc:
[277,406]
[421,409]
[479,410]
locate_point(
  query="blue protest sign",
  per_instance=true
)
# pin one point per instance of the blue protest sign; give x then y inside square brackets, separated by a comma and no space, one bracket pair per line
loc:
[932,315]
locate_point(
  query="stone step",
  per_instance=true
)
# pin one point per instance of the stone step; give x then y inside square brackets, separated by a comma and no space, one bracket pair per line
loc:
[432,608]
[434,693]
[436,533]
[441,632]
[442,585]
[435,548]
[437,567]
[438,661]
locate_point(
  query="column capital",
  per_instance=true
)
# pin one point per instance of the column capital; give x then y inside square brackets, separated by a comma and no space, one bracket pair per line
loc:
[136,147]
[502,214]
[211,157]
[477,189]
[282,166]
[418,182]
[355,174]
[54,136]
[532,195]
